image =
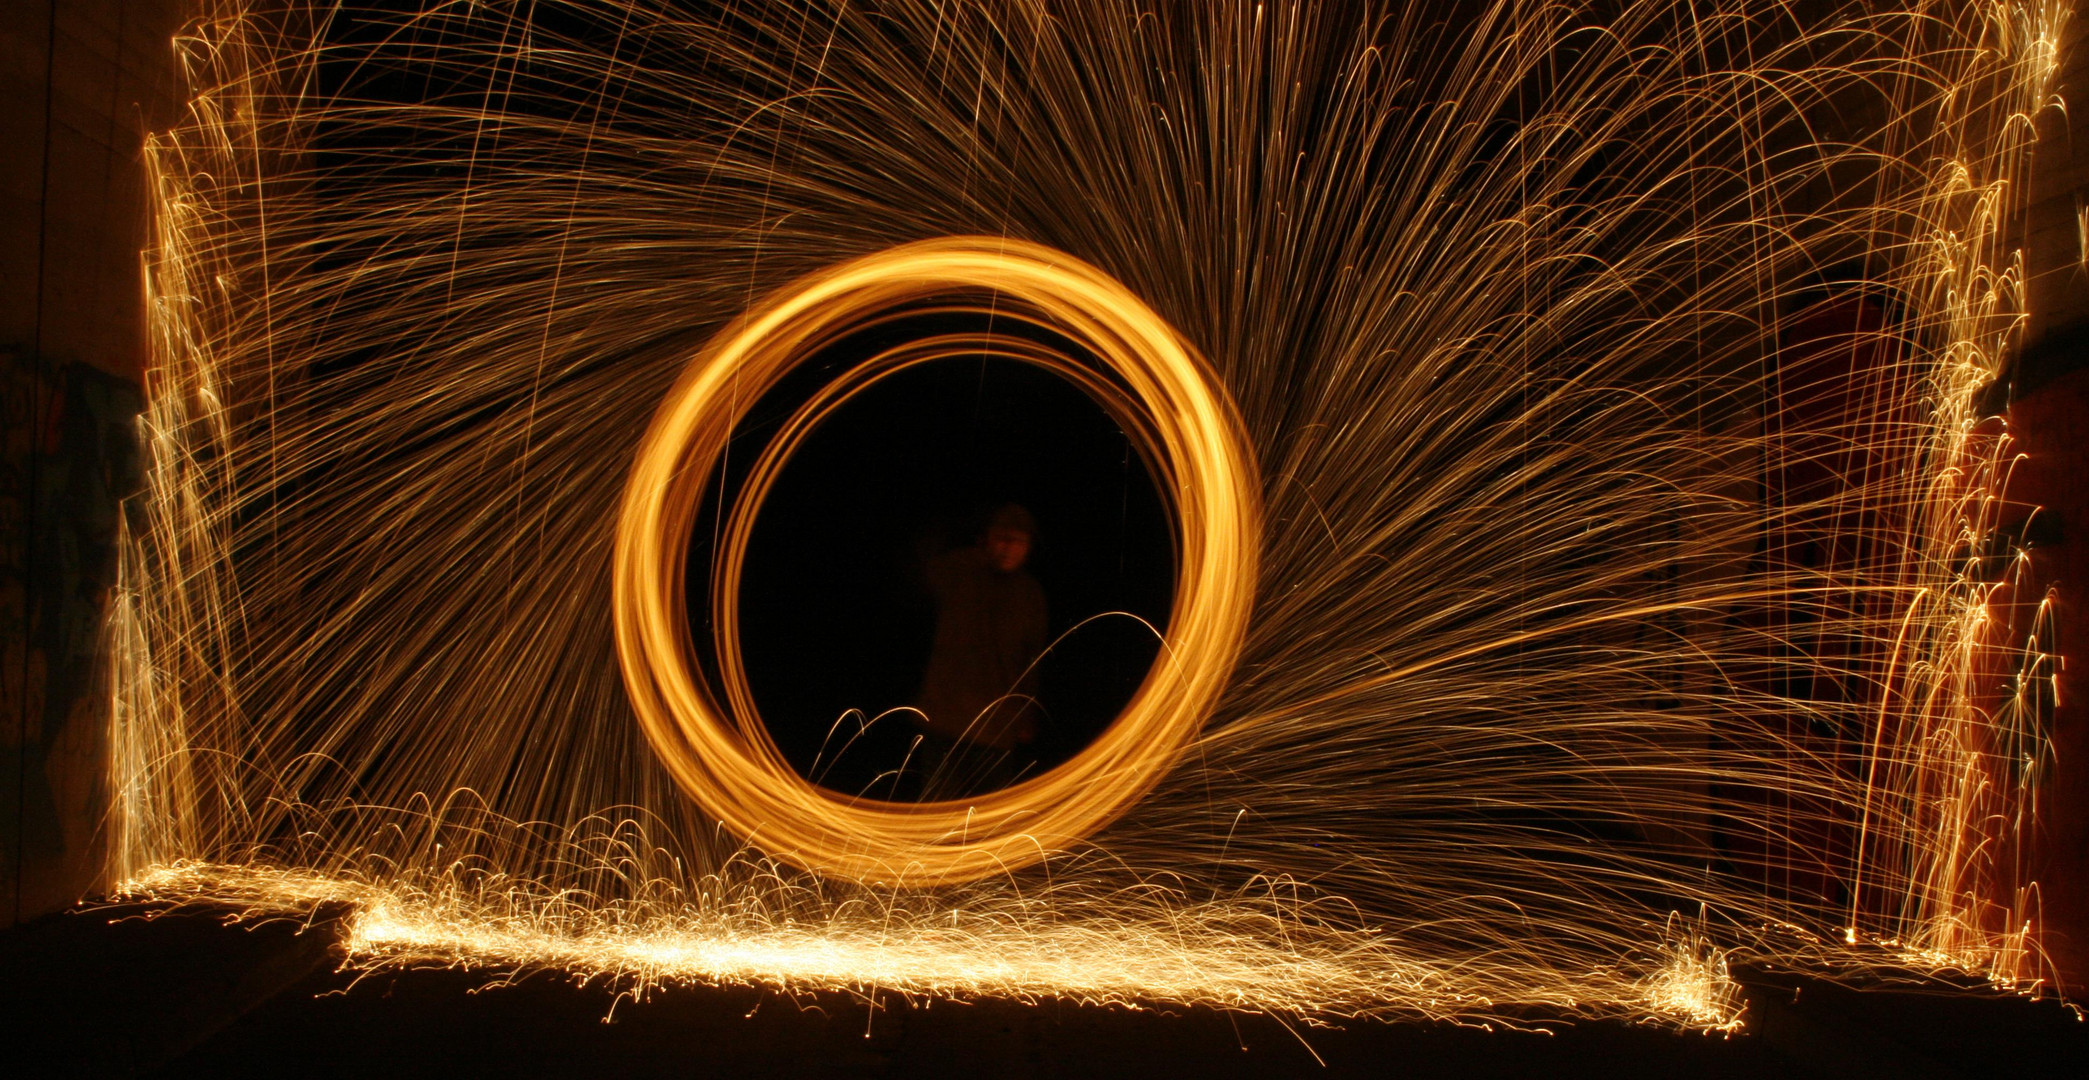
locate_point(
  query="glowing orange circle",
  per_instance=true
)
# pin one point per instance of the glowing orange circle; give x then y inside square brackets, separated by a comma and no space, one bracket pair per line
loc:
[710,738]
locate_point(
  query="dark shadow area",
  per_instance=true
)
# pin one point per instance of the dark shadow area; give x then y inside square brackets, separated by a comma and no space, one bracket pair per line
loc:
[836,607]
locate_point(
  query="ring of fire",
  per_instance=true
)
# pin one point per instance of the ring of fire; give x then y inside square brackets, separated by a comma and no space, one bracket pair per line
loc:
[711,738]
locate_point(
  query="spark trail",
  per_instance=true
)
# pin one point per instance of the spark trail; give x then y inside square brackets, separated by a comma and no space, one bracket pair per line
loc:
[1612,374]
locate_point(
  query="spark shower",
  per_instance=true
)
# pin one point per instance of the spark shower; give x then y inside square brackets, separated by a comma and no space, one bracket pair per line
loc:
[1617,595]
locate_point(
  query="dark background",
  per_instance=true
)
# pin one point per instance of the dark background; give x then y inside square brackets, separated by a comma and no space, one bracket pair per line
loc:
[85,81]
[835,611]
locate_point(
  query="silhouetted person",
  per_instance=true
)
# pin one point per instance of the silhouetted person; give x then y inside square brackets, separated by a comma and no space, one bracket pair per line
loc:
[978,696]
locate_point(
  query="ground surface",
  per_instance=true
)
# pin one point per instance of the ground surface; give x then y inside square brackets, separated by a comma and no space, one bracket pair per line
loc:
[187,996]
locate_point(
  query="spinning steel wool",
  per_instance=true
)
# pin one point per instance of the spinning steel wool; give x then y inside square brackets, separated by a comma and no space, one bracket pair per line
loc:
[1569,414]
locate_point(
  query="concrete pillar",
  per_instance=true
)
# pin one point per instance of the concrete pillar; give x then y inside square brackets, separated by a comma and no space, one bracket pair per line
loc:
[83,80]
[2049,416]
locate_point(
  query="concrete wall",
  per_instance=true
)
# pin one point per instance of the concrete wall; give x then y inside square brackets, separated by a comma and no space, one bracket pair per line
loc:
[83,81]
[2049,416]
[2056,225]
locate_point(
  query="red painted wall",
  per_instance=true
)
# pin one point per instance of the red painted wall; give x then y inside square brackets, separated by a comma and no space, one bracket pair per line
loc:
[2051,426]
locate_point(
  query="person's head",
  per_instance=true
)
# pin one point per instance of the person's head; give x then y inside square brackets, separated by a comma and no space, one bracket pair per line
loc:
[1009,534]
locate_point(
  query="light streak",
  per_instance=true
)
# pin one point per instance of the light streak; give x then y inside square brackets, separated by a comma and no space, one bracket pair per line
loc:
[1244,953]
[715,743]
[1585,593]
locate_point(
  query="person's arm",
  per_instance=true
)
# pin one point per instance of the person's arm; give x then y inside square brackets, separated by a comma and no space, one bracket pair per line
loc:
[1035,624]
[936,575]
[1039,621]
